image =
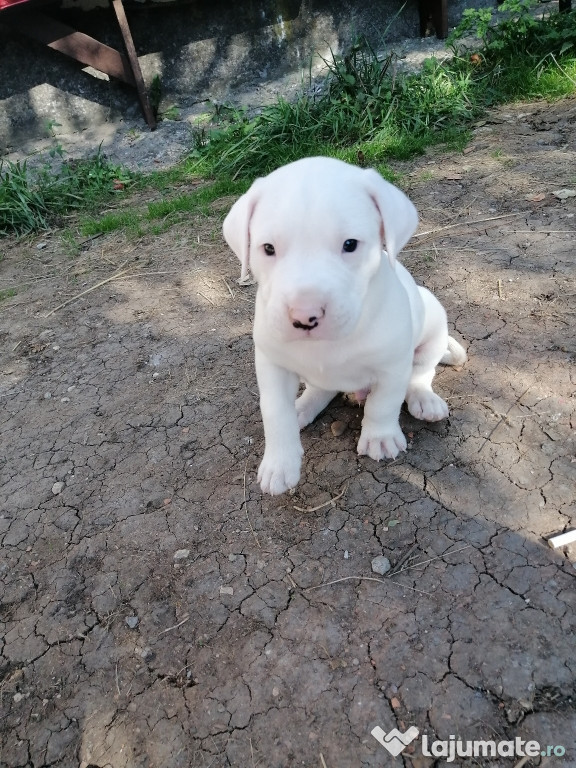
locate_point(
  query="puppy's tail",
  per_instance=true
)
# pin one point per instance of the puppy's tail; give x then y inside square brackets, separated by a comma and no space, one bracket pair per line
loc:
[455,354]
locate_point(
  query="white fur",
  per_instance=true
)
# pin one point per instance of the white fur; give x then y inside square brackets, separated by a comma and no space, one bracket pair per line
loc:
[362,323]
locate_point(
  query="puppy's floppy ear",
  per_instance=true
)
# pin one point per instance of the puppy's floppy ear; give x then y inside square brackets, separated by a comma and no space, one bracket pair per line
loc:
[236,227]
[398,214]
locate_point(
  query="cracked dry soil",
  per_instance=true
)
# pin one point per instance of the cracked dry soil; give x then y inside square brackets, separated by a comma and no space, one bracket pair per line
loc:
[130,432]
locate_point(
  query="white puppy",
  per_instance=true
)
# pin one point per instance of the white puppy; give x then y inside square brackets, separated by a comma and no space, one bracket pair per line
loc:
[335,311]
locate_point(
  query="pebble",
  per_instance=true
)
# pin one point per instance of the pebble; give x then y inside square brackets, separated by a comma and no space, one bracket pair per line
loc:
[57,488]
[18,697]
[47,395]
[338,428]
[346,554]
[226,590]
[181,554]
[132,621]
[381,565]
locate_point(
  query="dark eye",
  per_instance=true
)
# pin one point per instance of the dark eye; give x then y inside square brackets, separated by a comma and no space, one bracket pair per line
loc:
[350,245]
[269,249]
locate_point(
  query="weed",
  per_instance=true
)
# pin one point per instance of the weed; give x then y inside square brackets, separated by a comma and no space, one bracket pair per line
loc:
[34,200]
[7,293]
[368,108]
[170,113]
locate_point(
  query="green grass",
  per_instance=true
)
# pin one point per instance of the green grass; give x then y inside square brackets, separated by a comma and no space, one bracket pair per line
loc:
[7,293]
[368,109]
[367,113]
[158,216]
[30,201]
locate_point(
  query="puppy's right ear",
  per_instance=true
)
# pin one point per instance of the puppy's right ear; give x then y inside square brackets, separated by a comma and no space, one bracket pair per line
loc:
[236,227]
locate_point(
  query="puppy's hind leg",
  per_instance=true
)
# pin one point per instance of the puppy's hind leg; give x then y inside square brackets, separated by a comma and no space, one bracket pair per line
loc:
[422,401]
[311,402]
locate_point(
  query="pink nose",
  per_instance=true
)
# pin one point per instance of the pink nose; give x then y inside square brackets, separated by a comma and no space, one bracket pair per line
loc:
[306,317]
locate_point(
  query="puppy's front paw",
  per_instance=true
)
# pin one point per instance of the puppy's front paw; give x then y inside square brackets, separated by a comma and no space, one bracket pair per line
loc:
[426,405]
[310,403]
[279,472]
[381,444]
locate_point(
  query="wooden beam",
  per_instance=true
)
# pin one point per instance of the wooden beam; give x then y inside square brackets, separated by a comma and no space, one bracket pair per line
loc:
[437,11]
[88,51]
[70,42]
[134,63]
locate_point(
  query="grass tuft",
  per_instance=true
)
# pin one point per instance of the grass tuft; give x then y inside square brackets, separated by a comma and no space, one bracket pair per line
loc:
[369,109]
[30,201]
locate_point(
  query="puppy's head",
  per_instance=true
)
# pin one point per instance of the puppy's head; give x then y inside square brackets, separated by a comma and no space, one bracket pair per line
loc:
[312,234]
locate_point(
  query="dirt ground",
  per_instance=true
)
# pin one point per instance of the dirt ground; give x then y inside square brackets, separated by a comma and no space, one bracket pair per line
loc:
[157,611]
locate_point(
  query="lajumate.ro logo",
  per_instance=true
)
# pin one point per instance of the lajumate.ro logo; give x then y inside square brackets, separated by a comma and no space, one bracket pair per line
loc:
[396,742]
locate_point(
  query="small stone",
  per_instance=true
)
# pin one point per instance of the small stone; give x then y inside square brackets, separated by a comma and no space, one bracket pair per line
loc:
[132,621]
[226,590]
[346,554]
[57,488]
[181,554]
[338,428]
[381,565]
[55,347]
[41,246]
[564,194]
[64,399]
[231,557]
[47,395]
[275,692]
[18,697]
[146,653]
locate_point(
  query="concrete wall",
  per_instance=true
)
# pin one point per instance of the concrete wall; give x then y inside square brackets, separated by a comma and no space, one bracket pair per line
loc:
[201,50]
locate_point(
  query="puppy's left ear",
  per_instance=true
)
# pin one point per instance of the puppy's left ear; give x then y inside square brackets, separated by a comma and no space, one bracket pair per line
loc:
[236,227]
[397,212]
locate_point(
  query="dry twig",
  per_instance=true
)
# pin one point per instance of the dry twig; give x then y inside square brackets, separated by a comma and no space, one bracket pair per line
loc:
[89,290]
[431,559]
[366,578]
[169,629]
[402,560]
[465,223]
[324,504]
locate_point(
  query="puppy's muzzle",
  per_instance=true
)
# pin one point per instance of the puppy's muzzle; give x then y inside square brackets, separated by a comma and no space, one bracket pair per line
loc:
[306,318]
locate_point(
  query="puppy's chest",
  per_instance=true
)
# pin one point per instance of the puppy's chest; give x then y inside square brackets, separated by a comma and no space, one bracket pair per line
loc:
[335,368]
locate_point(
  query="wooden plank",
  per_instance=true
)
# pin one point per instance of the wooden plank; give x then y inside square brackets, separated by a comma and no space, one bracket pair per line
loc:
[70,42]
[437,10]
[134,63]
